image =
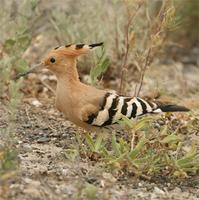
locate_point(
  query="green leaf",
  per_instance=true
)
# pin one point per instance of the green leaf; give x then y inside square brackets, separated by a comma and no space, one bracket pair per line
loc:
[21,66]
[171,139]
[71,154]
[124,146]
[98,143]
[133,154]
[119,159]
[33,4]
[101,66]
[9,160]
[90,142]
[23,42]
[164,131]
[90,191]
[189,159]
[115,146]
[126,121]
[142,123]
[9,44]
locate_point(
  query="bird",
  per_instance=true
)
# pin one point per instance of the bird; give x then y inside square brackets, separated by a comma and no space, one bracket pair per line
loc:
[87,106]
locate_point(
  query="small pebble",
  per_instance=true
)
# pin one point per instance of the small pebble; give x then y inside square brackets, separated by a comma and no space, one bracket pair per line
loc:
[26,125]
[158,190]
[26,147]
[140,184]
[43,140]
[36,103]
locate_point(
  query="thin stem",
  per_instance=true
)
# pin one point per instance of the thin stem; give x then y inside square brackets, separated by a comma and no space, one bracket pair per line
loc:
[159,31]
[144,70]
[124,65]
[116,37]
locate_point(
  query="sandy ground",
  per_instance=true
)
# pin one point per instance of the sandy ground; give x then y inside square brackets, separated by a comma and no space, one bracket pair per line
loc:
[43,136]
[46,173]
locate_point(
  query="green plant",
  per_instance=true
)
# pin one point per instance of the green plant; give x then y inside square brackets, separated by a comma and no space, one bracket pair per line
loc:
[16,38]
[101,66]
[8,163]
[90,191]
[149,152]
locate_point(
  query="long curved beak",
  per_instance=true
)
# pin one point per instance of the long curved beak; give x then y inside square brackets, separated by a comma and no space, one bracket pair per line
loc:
[32,69]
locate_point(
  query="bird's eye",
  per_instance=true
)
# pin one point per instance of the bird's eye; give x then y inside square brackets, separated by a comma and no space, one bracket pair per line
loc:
[52,60]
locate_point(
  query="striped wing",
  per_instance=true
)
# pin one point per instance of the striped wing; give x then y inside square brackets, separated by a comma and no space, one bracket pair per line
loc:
[114,105]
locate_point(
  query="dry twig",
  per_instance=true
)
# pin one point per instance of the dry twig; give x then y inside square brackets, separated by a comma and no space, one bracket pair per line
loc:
[143,71]
[129,23]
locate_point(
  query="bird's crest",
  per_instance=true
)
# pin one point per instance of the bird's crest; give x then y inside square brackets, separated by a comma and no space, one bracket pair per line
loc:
[76,49]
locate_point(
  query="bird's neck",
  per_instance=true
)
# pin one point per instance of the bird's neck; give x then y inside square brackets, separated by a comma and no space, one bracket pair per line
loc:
[70,78]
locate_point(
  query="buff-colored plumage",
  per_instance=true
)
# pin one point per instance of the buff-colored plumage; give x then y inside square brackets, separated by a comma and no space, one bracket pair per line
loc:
[87,106]
[75,99]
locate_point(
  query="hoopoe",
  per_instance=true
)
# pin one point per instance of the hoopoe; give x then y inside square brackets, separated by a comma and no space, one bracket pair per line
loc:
[87,106]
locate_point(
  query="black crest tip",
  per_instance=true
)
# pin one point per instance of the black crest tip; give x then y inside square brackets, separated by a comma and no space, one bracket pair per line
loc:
[68,45]
[79,46]
[96,45]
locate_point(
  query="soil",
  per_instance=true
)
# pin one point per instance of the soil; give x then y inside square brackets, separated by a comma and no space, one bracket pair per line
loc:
[46,173]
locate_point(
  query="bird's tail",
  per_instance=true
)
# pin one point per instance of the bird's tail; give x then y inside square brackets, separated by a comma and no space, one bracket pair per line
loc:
[158,106]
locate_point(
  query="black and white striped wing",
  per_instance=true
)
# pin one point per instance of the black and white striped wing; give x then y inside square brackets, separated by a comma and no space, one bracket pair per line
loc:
[114,105]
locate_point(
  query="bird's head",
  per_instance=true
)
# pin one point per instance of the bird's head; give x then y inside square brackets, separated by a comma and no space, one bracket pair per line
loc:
[61,59]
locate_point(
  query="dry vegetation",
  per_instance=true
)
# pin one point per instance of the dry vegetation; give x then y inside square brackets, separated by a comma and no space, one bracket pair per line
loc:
[151,49]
